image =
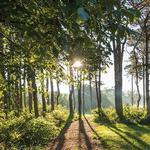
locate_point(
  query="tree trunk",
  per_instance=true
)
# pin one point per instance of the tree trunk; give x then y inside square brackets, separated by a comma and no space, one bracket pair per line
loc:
[47,90]
[132,98]
[83,96]
[118,58]
[79,94]
[99,88]
[52,94]
[147,72]
[20,91]
[35,98]
[97,95]
[30,96]
[90,84]
[58,93]
[43,95]
[138,91]
[17,101]
[143,82]
[24,86]
[71,93]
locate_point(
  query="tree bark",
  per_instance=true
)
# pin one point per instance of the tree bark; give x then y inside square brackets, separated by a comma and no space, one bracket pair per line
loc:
[58,93]
[147,71]
[24,86]
[83,96]
[143,82]
[97,95]
[43,94]
[71,93]
[118,59]
[132,98]
[79,94]
[35,98]
[47,90]
[30,96]
[52,93]
[99,87]
[90,84]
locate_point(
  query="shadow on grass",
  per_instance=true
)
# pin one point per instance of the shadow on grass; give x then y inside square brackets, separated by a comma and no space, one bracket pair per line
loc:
[127,134]
[61,137]
[92,128]
[83,136]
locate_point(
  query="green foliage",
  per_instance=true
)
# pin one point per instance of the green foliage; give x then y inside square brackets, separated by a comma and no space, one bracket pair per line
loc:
[39,132]
[134,114]
[131,114]
[26,131]
[60,115]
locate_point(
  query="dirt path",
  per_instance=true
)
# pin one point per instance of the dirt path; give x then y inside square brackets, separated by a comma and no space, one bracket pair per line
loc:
[76,136]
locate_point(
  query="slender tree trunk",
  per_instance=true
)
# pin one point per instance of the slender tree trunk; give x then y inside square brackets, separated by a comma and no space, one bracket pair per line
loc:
[30,96]
[47,90]
[24,86]
[74,100]
[138,91]
[99,88]
[97,95]
[17,102]
[118,58]
[71,93]
[20,91]
[83,96]
[90,84]
[43,94]
[52,94]
[5,97]
[58,92]
[143,82]
[9,91]
[132,98]
[35,98]
[79,94]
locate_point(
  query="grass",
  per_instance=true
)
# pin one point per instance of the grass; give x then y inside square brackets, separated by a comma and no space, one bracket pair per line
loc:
[123,136]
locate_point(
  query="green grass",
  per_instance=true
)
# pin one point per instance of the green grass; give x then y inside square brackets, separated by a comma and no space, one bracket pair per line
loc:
[123,136]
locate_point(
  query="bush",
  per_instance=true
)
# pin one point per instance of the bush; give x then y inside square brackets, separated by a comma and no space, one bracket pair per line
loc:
[11,130]
[134,114]
[26,130]
[109,115]
[39,132]
[60,115]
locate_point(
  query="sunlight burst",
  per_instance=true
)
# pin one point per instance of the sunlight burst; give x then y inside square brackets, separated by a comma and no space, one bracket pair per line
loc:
[77,64]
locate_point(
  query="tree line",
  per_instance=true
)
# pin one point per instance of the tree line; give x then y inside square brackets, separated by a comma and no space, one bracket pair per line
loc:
[40,40]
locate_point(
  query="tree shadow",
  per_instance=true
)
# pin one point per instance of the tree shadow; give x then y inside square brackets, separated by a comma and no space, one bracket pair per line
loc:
[61,136]
[83,136]
[133,136]
[120,132]
[92,128]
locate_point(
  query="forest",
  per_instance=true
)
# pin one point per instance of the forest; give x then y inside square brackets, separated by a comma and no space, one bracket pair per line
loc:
[51,46]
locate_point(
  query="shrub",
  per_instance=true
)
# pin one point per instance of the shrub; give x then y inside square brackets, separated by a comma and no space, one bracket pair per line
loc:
[60,115]
[26,130]
[39,132]
[134,114]
[109,115]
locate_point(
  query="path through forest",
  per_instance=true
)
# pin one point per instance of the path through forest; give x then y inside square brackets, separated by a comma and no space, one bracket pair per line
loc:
[77,135]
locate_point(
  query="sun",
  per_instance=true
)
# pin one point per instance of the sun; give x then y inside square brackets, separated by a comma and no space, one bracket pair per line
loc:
[77,64]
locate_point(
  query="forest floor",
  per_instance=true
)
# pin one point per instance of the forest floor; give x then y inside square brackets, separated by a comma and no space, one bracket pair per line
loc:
[77,135]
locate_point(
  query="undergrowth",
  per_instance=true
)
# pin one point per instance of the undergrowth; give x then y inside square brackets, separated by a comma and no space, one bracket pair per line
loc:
[27,131]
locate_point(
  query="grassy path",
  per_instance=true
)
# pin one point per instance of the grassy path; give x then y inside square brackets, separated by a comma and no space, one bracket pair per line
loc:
[77,135]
